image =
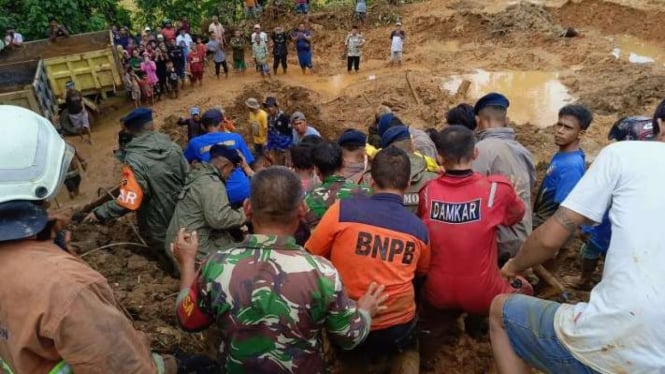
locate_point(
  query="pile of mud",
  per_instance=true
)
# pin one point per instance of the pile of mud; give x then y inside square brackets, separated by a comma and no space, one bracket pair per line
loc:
[523,16]
[177,133]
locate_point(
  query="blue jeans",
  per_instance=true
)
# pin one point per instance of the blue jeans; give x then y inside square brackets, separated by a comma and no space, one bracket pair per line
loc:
[529,323]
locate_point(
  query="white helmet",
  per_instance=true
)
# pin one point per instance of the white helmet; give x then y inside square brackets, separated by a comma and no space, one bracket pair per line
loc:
[33,157]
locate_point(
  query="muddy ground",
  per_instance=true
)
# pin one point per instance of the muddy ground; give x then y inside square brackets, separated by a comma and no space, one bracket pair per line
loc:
[445,38]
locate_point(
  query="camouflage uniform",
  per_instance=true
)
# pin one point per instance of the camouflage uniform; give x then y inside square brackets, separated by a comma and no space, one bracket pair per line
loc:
[271,299]
[419,176]
[203,206]
[333,188]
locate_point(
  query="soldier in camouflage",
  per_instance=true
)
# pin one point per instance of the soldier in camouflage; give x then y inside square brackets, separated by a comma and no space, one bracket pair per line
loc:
[328,162]
[269,297]
[203,205]
[399,136]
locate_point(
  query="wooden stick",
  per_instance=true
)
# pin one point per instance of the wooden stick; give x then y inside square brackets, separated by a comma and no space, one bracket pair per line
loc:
[413,92]
[112,245]
[550,279]
[365,97]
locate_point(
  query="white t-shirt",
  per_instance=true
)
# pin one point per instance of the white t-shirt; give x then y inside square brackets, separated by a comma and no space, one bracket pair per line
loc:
[184,41]
[218,29]
[396,41]
[622,328]
[263,36]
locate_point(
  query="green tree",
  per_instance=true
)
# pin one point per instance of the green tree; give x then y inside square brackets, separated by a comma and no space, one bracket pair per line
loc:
[30,17]
[154,12]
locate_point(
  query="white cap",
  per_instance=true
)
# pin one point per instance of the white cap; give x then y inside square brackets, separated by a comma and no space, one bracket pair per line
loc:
[147,28]
[34,160]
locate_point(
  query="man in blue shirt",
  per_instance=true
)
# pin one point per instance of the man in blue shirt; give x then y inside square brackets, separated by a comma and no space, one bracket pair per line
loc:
[567,166]
[198,149]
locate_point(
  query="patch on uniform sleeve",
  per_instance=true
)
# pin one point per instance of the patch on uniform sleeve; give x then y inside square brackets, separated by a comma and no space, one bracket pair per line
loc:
[131,194]
[411,199]
[455,213]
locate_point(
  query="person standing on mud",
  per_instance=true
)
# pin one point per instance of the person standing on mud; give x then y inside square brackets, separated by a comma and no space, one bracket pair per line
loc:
[620,329]
[348,236]
[567,166]
[280,133]
[78,115]
[500,154]
[63,316]
[194,126]
[303,39]
[153,175]
[238,46]
[273,299]
[280,49]
[203,205]
[354,42]
[397,37]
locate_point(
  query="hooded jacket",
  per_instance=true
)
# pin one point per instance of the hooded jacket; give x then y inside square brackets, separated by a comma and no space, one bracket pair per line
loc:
[500,154]
[160,169]
[203,206]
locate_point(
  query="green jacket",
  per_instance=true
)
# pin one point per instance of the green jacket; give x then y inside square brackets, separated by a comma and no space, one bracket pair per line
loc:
[160,170]
[332,188]
[419,177]
[204,206]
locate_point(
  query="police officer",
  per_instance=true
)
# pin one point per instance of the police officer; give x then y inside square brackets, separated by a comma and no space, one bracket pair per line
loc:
[328,162]
[399,136]
[57,315]
[153,175]
[269,297]
[203,205]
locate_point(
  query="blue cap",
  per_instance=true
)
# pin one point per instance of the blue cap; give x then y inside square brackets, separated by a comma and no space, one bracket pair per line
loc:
[352,138]
[384,123]
[394,134]
[69,84]
[493,99]
[220,150]
[212,117]
[21,219]
[137,118]
[194,111]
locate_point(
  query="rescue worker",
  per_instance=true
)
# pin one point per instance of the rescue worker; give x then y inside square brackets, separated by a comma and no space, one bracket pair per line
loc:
[567,166]
[349,237]
[500,154]
[598,237]
[203,205]
[356,163]
[398,136]
[58,315]
[462,210]
[327,160]
[153,175]
[272,300]
[280,133]
[198,150]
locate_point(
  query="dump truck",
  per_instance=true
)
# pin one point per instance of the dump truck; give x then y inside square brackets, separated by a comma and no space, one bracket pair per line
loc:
[89,60]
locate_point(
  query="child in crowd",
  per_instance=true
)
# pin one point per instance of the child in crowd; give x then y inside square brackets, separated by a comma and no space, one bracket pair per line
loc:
[172,82]
[196,62]
[147,91]
[136,89]
[127,81]
[260,53]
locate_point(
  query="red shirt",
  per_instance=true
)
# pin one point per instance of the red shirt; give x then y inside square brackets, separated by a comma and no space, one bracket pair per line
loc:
[195,62]
[462,214]
[169,33]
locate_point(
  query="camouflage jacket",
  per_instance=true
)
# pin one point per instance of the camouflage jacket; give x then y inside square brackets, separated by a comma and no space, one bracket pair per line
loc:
[203,206]
[333,188]
[160,170]
[271,300]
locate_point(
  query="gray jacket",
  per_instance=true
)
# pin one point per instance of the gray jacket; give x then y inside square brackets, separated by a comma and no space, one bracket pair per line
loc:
[500,154]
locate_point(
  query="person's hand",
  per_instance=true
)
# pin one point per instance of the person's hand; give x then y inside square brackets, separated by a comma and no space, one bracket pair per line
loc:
[372,301]
[91,218]
[185,246]
[84,165]
[508,270]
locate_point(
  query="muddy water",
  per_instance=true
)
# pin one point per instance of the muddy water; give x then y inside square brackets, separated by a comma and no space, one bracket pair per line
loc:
[535,96]
[632,49]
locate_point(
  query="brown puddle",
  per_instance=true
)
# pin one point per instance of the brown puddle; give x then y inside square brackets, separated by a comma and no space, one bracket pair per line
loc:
[635,50]
[535,96]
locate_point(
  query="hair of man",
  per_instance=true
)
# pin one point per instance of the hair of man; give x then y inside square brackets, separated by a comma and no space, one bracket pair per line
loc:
[391,169]
[456,144]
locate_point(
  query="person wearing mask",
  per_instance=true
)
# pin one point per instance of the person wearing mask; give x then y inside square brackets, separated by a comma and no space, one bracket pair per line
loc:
[356,163]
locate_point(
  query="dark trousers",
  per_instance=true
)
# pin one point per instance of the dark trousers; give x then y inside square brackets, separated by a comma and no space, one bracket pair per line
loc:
[391,340]
[279,60]
[222,64]
[352,62]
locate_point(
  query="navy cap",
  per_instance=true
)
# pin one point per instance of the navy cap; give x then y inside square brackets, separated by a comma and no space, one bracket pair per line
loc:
[270,102]
[384,123]
[21,219]
[220,150]
[394,134]
[137,118]
[493,99]
[632,128]
[212,117]
[352,138]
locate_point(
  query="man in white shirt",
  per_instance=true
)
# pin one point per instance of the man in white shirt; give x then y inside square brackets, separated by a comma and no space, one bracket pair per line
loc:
[620,329]
[397,44]
[185,41]
[12,38]
[257,30]
[217,28]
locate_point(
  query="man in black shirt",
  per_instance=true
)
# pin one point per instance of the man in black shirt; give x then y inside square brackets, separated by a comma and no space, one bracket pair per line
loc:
[280,48]
[177,55]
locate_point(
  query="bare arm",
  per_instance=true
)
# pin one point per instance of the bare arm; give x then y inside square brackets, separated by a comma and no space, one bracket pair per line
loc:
[545,241]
